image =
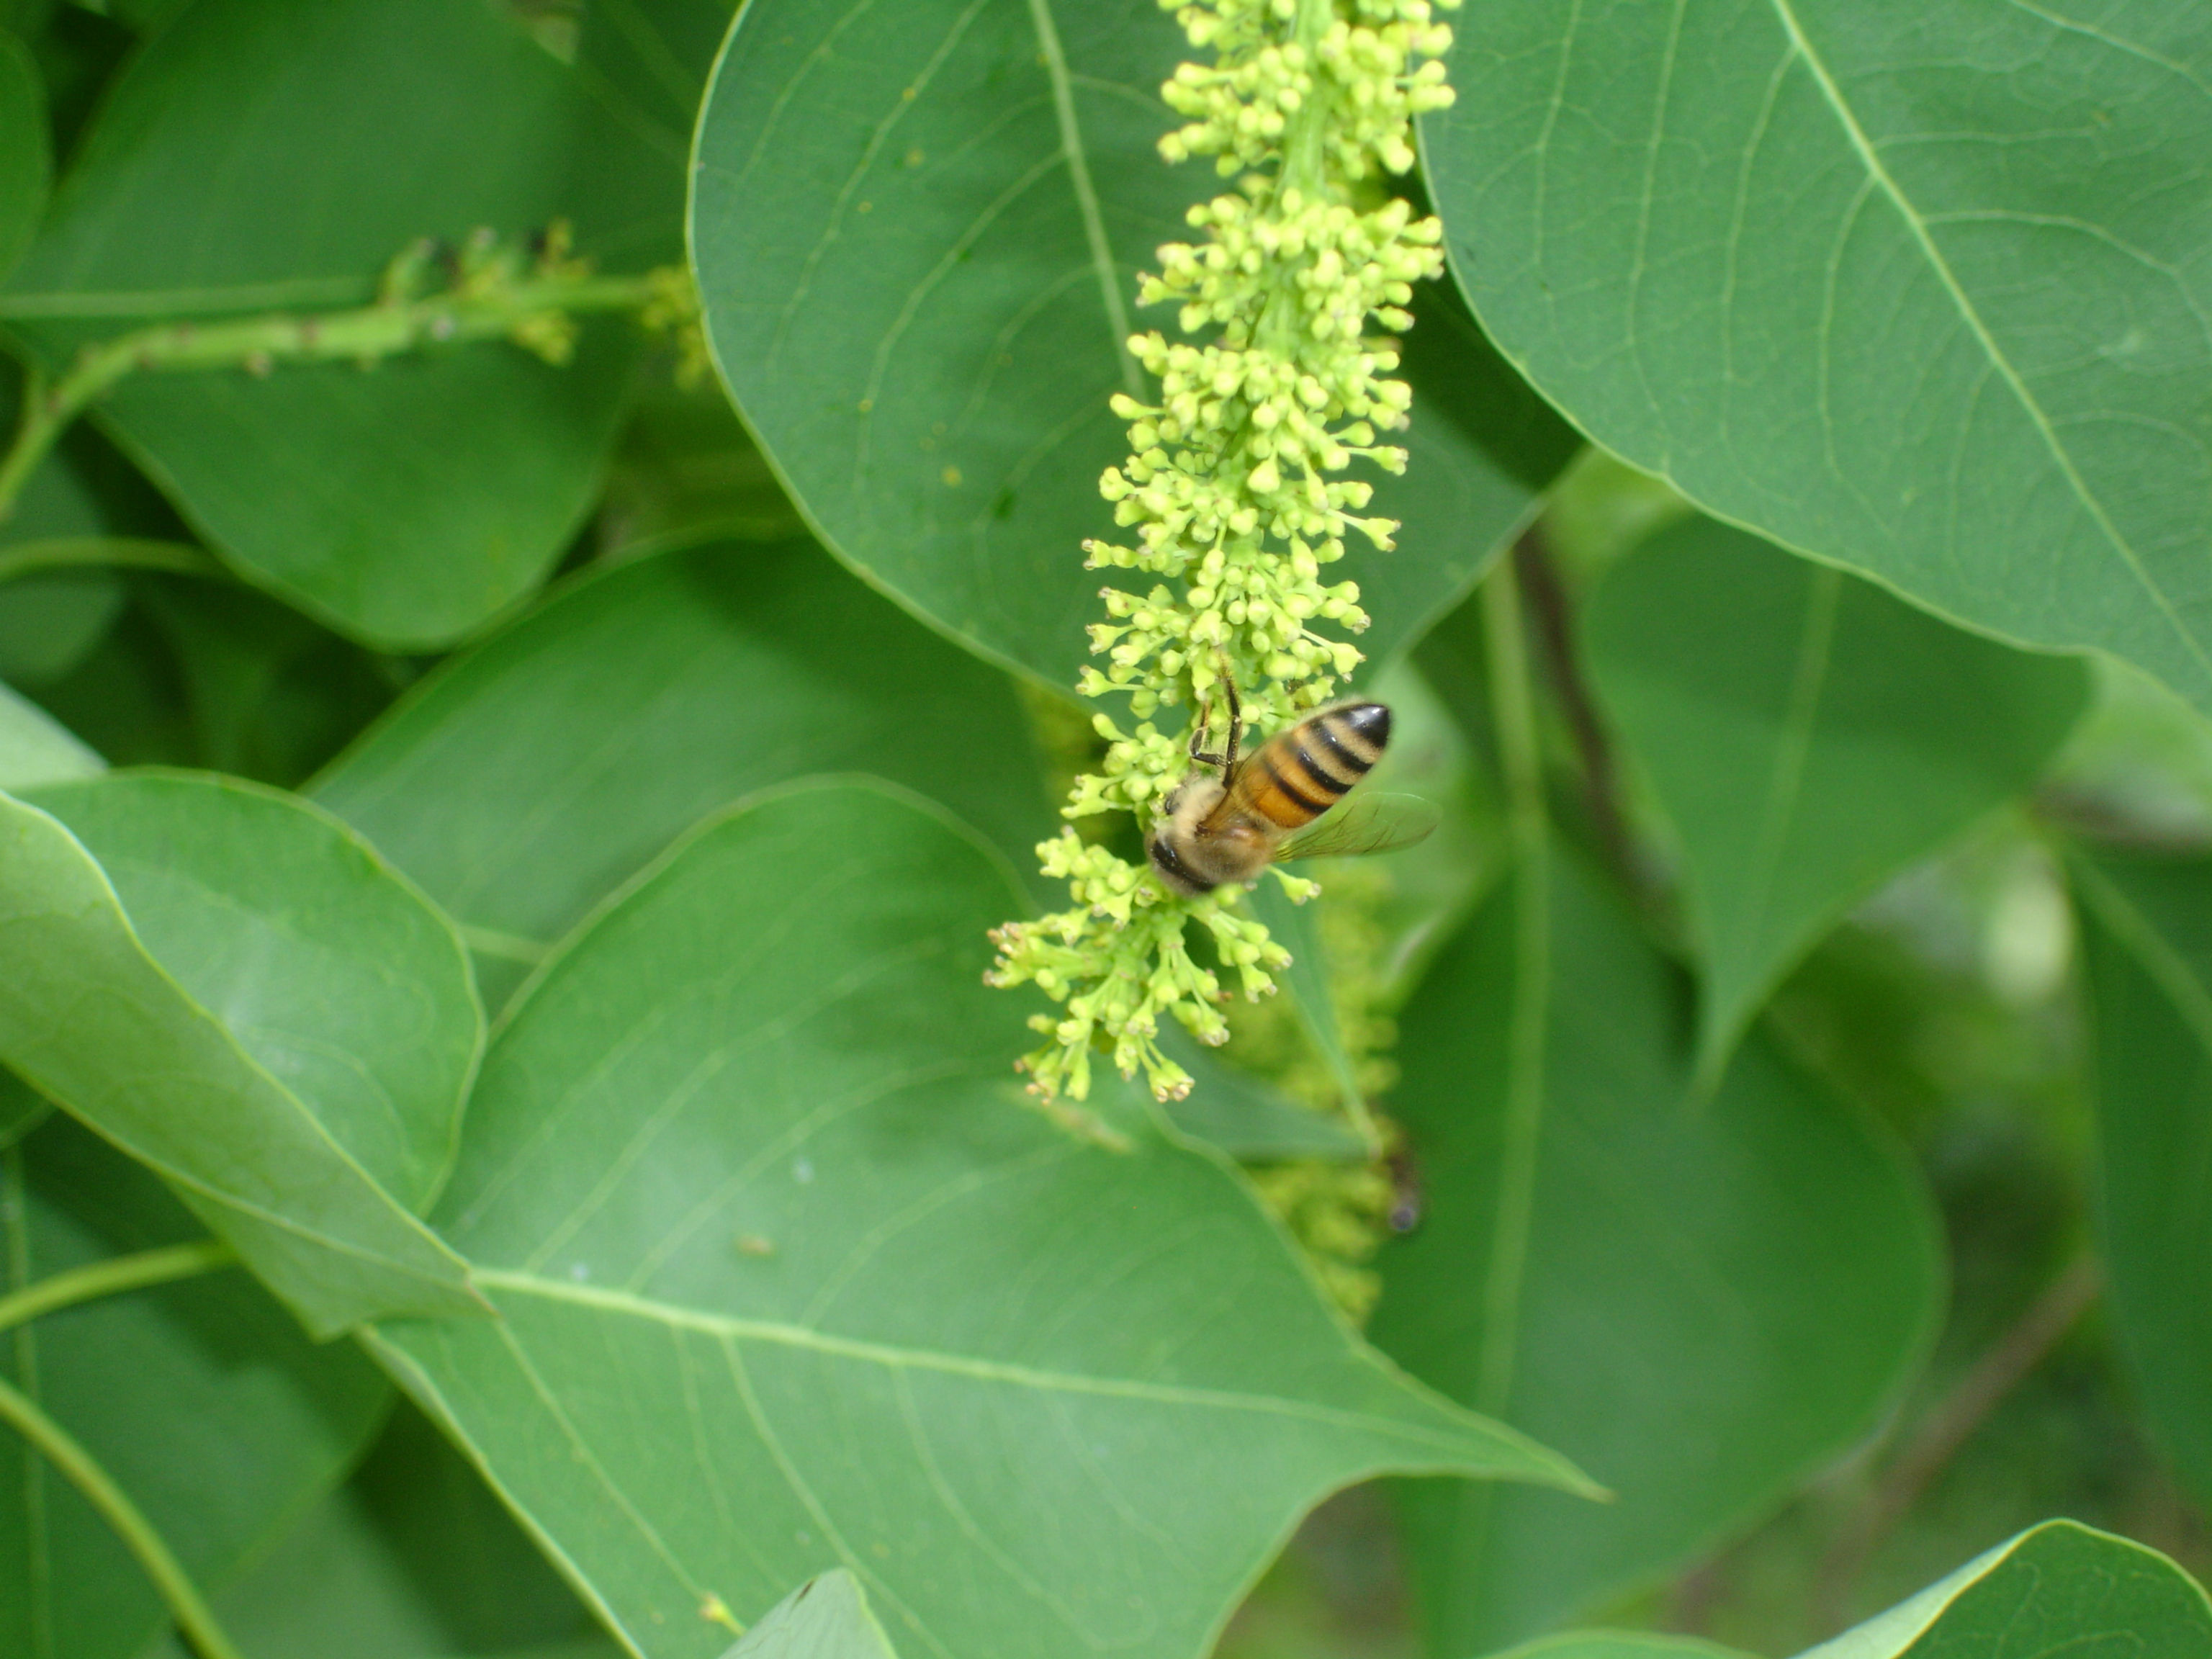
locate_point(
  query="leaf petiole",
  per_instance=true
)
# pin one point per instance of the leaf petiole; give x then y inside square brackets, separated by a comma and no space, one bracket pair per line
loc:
[111,1278]
[62,1450]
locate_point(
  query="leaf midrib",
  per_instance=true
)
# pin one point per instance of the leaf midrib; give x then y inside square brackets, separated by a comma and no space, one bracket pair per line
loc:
[893,1357]
[1917,224]
[1086,193]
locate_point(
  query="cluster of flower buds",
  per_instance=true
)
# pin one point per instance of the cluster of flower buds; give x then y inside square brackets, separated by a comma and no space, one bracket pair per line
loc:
[1233,487]
[1117,964]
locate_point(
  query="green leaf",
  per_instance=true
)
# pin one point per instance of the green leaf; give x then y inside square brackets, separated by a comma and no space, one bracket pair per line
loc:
[1807,736]
[272,696]
[125,699]
[790,1279]
[201,1398]
[36,749]
[22,1109]
[2056,1591]
[336,974]
[1298,928]
[258,1008]
[686,470]
[1701,1300]
[49,622]
[413,1556]
[1619,1644]
[1916,288]
[2147,949]
[649,60]
[826,1618]
[2140,757]
[917,230]
[26,152]
[524,782]
[1234,1112]
[259,155]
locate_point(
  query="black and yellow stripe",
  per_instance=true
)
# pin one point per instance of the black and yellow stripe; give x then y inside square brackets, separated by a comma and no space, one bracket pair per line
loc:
[1298,775]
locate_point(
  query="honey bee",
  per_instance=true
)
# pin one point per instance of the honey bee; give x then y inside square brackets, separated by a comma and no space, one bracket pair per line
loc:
[1234,814]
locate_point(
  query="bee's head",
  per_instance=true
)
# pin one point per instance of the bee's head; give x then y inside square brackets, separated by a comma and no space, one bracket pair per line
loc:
[1169,865]
[1174,834]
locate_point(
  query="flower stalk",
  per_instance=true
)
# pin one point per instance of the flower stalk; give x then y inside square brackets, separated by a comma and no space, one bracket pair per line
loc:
[1236,492]
[485,291]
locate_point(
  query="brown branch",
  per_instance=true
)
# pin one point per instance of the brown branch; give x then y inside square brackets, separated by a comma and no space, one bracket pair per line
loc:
[1552,611]
[2009,1363]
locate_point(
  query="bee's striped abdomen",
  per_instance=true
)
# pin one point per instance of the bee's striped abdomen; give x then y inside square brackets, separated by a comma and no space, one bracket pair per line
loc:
[1298,775]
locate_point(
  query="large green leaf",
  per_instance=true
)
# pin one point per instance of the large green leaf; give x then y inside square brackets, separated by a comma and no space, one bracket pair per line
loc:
[522,784]
[917,230]
[26,151]
[826,1618]
[202,1400]
[790,1279]
[1807,735]
[1918,286]
[2060,1590]
[1619,1644]
[2148,947]
[259,155]
[253,1003]
[413,1557]
[332,970]
[1700,1300]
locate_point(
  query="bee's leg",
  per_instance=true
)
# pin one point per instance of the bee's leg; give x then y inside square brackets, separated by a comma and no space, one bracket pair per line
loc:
[1198,754]
[1236,720]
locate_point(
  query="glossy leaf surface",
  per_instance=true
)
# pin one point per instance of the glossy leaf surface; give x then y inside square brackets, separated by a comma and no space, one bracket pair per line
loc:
[527,780]
[312,1093]
[339,980]
[1700,1300]
[1807,736]
[918,230]
[747,1161]
[1917,286]
[259,155]
[2056,1591]
[2148,946]
[201,1398]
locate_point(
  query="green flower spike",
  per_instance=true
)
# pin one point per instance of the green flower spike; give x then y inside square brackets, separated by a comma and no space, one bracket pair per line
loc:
[1228,489]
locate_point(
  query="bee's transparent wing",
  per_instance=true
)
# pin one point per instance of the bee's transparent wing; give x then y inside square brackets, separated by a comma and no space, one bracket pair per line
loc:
[1366,824]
